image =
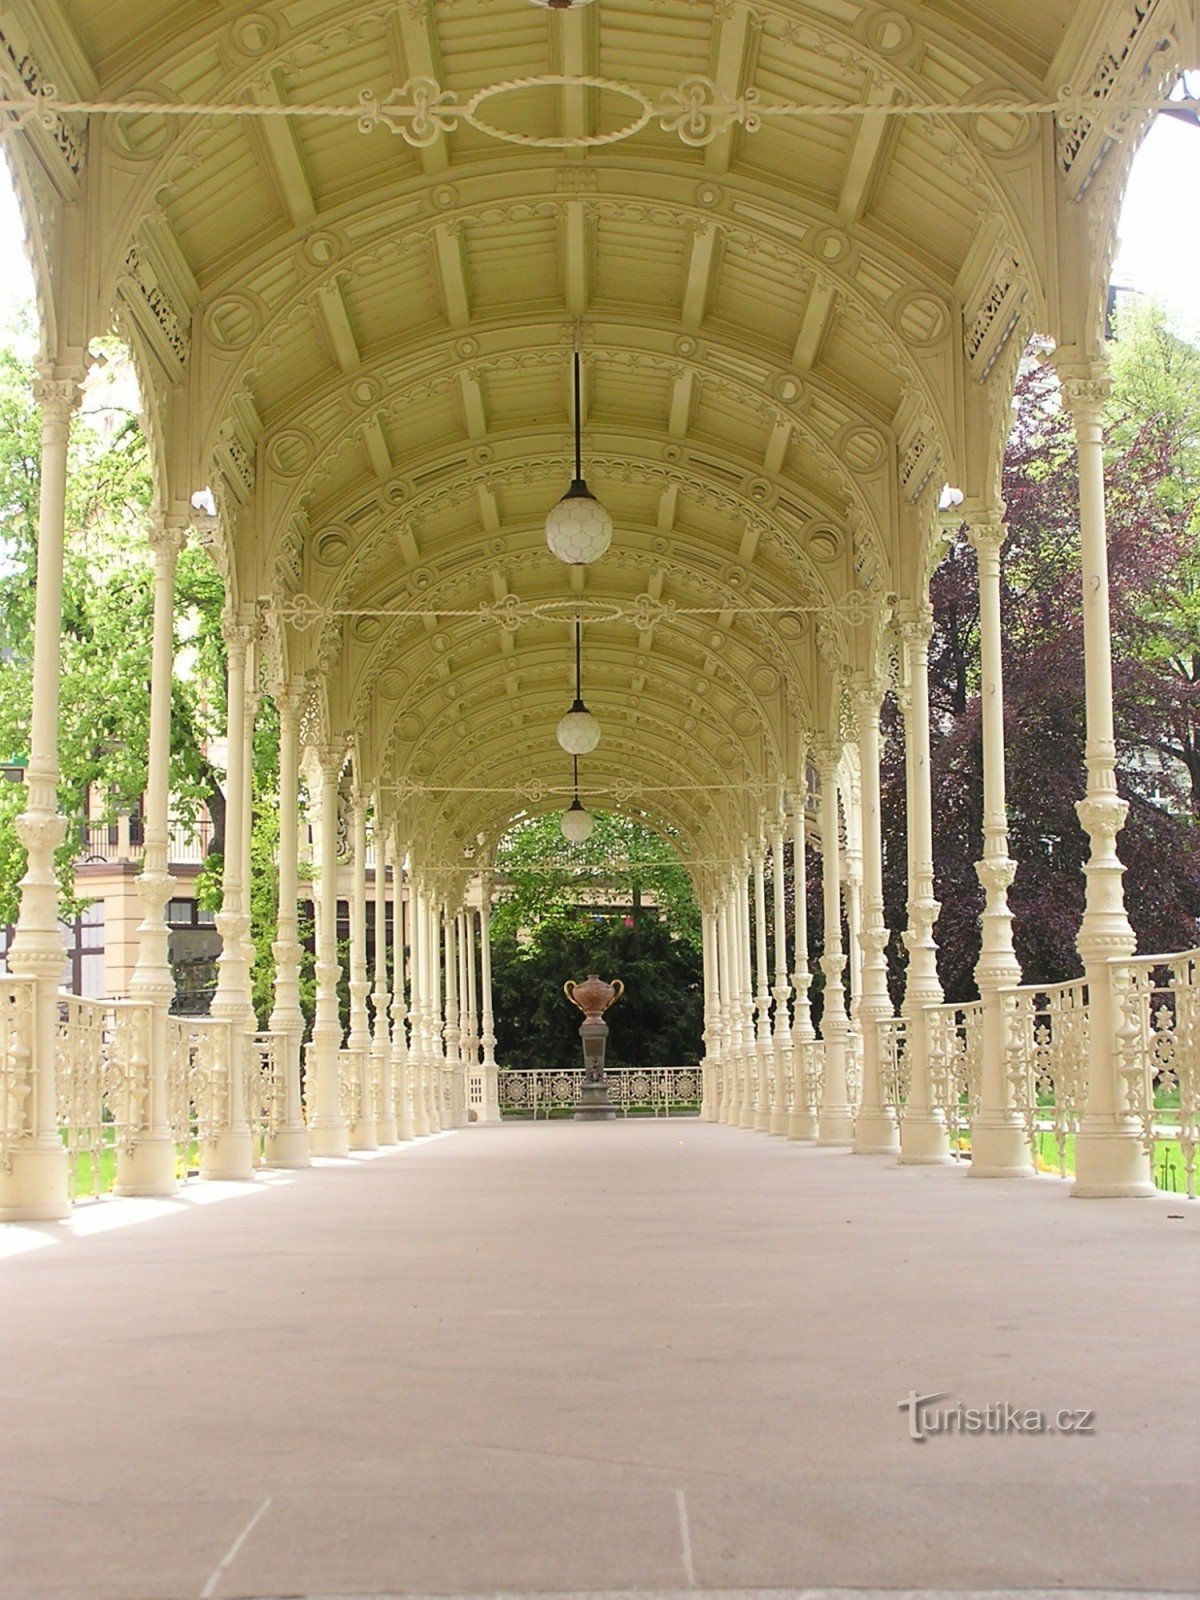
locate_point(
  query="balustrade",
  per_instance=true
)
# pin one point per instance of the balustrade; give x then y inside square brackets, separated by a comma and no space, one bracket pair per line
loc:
[1158,1038]
[1046,1049]
[660,1091]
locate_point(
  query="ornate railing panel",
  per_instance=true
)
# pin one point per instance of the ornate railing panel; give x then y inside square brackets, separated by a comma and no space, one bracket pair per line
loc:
[265,1087]
[894,1069]
[662,1091]
[16,1036]
[103,1081]
[954,1035]
[1157,1008]
[201,1053]
[812,1054]
[352,1066]
[1046,1060]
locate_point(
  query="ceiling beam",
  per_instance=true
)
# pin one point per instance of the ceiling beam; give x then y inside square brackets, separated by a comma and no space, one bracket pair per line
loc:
[777,447]
[335,324]
[376,445]
[575,46]
[870,144]
[576,258]
[423,58]
[682,399]
[285,159]
[818,318]
[474,408]
[450,257]
[733,42]
[701,269]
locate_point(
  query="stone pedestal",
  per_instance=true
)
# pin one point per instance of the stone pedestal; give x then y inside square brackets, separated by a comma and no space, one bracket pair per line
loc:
[594,1104]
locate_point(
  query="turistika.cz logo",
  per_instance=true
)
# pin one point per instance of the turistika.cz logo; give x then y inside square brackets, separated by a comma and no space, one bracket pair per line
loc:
[926,1418]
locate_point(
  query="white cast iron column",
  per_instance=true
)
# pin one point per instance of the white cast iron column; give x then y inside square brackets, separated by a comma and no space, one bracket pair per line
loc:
[401,1086]
[835,1123]
[875,1131]
[381,1033]
[725,970]
[419,1066]
[784,1048]
[288,1145]
[149,1168]
[455,1100]
[230,1154]
[709,1070]
[999,1148]
[1110,1160]
[749,1053]
[923,1139]
[327,1133]
[764,1044]
[362,1131]
[802,1124]
[437,1049]
[491,1073]
[33,1183]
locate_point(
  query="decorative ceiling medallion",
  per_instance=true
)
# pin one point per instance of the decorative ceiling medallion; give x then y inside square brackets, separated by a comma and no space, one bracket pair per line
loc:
[233,321]
[320,249]
[254,34]
[763,680]
[289,453]
[824,544]
[864,449]
[919,319]
[331,547]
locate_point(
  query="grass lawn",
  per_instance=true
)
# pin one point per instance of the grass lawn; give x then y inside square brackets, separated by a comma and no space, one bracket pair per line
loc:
[85,1186]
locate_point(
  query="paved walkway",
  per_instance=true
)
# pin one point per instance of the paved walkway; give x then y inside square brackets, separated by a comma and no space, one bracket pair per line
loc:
[559,1357]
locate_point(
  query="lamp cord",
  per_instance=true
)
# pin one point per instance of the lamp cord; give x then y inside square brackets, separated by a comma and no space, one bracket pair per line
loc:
[578,660]
[578,447]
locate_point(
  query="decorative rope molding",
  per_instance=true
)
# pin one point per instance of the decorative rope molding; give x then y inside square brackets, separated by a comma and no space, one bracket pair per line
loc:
[644,612]
[622,789]
[421,111]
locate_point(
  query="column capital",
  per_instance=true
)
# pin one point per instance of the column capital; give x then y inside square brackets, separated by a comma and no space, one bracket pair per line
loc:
[828,756]
[237,636]
[987,533]
[167,535]
[1086,387]
[914,622]
[57,396]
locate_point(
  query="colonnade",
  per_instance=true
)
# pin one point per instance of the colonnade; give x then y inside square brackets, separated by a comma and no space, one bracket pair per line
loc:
[422,1058]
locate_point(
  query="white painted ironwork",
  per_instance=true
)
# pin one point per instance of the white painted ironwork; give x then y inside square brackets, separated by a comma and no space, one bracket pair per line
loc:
[895,1071]
[266,1088]
[103,1082]
[1158,1038]
[955,1044]
[661,1091]
[1046,1048]
[16,1034]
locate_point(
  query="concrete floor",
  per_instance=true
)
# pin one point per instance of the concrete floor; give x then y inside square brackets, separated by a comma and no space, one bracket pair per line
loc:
[632,1356]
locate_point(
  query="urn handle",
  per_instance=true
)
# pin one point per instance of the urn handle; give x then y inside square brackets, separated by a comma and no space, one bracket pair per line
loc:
[618,989]
[569,988]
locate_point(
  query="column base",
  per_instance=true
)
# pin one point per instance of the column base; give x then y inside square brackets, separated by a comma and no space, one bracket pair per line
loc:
[802,1126]
[762,1121]
[385,1131]
[148,1169]
[363,1135]
[780,1121]
[835,1127]
[287,1148]
[34,1189]
[746,1117]
[1111,1164]
[229,1157]
[876,1134]
[332,1140]
[924,1141]
[999,1150]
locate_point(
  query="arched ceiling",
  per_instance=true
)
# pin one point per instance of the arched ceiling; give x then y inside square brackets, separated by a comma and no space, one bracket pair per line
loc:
[352,245]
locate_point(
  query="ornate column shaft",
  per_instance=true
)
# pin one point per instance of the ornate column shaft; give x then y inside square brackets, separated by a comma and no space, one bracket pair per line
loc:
[491,1074]
[288,1145]
[381,1033]
[327,1132]
[363,1134]
[712,1044]
[401,1087]
[726,979]
[923,1139]
[875,1130]
[419,1063]
[230,1154]
[33,1179]
[455,1097]
[149,1167]
[437,1047]
[835,1123]
[749,1051]
[1110,1160]
[247,827]
[764,1043]
[781,1107]
[998,1145]
[802,1124]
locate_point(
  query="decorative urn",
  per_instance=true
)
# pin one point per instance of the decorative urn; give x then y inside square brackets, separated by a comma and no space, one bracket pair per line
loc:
[594,996]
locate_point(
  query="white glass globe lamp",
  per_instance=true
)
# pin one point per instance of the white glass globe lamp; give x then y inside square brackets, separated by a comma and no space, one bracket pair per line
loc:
[578,530]
[577,823]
